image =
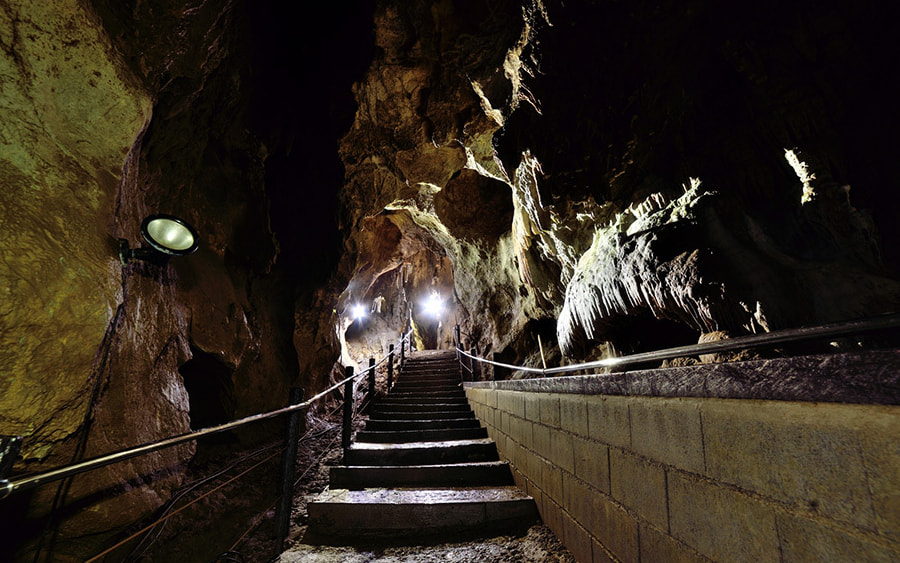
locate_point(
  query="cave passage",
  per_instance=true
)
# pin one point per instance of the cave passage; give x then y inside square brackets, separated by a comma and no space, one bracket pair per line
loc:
[210,389]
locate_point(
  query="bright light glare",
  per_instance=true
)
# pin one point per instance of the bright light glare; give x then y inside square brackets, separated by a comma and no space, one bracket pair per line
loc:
[358,311]
[433,305]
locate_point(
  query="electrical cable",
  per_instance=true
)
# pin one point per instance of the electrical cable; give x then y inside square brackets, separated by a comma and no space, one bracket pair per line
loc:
[173,513]
[258,520]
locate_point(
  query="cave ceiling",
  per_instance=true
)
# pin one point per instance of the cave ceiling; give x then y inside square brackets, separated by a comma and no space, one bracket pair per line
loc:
[574,171]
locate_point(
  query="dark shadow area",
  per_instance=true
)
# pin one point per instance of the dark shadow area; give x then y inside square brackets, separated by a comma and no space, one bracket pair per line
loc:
[207,380]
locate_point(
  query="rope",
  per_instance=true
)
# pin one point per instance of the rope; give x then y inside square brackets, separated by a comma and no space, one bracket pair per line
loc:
[173,513]
[261,516]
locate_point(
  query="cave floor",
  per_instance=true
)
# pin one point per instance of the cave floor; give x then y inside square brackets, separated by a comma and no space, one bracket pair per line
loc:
[538,544]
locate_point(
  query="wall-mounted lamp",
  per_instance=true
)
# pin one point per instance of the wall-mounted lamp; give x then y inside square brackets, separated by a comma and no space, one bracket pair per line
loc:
[166,235]
[358,311]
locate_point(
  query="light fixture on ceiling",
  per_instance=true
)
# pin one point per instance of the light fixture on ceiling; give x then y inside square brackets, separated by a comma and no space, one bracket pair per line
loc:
[358,311]
[167,236]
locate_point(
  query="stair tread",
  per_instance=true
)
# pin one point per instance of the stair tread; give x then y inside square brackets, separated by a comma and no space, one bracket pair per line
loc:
[437,495]
[375,446]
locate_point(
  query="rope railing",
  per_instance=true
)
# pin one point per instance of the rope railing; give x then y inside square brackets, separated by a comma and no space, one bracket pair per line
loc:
[843,328]
[295,409]
[28,482]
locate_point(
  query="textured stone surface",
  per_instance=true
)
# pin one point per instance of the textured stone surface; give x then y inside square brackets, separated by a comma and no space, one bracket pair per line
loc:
[71,112]
[866,378]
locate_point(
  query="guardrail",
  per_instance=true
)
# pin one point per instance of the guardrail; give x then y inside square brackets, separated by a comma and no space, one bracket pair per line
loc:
[831,330]
[297,407]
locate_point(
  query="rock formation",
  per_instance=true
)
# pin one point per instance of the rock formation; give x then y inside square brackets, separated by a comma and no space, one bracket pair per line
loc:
[601,175]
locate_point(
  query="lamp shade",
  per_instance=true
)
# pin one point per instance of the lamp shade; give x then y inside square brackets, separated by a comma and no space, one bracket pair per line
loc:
[169,235]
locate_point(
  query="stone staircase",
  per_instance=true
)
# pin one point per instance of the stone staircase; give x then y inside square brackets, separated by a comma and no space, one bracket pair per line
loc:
[422,468]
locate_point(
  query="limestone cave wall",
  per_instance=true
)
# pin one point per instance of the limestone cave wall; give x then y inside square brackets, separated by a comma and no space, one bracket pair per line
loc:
[649,175]
[606,176]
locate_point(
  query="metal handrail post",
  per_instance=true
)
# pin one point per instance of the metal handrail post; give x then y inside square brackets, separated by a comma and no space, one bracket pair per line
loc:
[458,345]
[473,364]
[390,368]
[371,384]
[348,408]
[402,353]
[295,427]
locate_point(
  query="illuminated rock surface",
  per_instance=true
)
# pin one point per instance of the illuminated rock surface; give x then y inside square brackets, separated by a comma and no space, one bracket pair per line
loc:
[648,175]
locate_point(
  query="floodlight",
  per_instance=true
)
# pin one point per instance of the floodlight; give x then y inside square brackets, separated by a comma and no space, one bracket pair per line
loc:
[167,236]
[433,305]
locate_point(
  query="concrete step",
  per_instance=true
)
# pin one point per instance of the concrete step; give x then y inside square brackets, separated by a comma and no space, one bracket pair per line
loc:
[340,515]
[390,401]
[447,393]
[427,435]
[411,389]
[421,453]
[479,474]
[428,381]
[385,425]
[421,414]
[381,408]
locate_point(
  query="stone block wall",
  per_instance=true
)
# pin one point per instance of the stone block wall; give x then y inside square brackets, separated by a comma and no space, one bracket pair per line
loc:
[655,478]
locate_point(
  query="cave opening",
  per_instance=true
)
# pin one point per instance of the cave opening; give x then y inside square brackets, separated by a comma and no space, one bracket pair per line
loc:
[210,389]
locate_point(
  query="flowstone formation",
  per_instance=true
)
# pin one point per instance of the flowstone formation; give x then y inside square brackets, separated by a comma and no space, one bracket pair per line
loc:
[648,176]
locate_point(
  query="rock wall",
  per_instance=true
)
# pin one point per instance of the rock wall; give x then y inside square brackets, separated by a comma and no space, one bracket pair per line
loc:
[610,164]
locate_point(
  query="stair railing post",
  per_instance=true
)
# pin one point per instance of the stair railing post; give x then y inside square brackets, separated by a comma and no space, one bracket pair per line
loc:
[402,353]
[371,376]
[296,425]
[458,347]
[473,365]
[348,409]
[390,367]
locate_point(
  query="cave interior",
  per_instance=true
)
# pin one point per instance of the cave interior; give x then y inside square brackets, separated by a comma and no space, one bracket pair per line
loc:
[608,177]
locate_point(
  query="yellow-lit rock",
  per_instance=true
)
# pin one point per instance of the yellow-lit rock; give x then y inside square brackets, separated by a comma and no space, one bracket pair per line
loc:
[70,115]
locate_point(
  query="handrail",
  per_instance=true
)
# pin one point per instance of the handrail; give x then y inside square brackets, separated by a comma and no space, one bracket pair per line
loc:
[891,320]
[9,487]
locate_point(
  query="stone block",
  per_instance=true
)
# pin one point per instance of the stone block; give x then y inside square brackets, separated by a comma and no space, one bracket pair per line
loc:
[608,420]
[721,523]
[504,422]
[490,398]
[669,431]
[578,499]
[601,554]
[576,539]
[656,545]
[551,514]
[573,414]
[803,454]
[640,486]
[552,481]
[591,463]
[533,406]
[512,402]
[805,540]
[880,444]
[561,451]
[614,528]
[542,440]
[520,431]
[550,410]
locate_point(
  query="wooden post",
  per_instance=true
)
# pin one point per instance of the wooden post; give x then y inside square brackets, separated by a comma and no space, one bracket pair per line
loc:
[295,427]
[348,409]
[474,365]
[371,377]
[402,353]
[390,368]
